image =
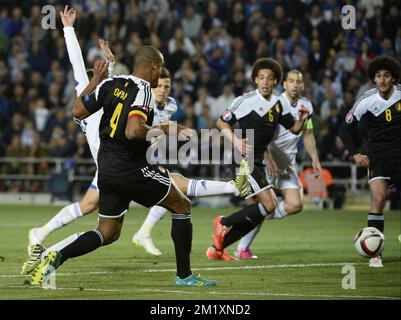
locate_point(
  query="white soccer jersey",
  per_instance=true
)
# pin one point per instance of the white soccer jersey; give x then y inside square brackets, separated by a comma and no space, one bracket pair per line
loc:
[90,125]
[283,147]
[162,114]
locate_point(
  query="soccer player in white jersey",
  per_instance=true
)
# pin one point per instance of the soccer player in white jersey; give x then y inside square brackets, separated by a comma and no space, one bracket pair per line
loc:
[165,108]
[380,107]
[280,159]
[90,126]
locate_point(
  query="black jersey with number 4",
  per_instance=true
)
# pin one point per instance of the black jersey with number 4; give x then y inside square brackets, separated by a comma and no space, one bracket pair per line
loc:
[253,112]
[383,120]
[121,97]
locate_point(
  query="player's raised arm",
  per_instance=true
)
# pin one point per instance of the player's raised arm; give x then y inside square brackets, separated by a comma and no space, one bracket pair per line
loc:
[89,101]
[68,17]
[104,45]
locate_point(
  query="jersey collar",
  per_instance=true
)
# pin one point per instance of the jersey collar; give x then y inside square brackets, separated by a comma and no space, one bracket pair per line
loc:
[293,105]
[134,77]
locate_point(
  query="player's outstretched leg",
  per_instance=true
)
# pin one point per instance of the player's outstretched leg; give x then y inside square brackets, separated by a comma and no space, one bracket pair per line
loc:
[33,260]
[196,188]
[65,216]
[107,231]
[39,253]
[203,188]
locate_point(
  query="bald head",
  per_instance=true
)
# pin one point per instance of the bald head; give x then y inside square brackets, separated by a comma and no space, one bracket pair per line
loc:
[147,64]
[147,55]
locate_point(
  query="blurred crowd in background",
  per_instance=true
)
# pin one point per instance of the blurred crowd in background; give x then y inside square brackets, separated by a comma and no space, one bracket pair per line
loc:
[209,46]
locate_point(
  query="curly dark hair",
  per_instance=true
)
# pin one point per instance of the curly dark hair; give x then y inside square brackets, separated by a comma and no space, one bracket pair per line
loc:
[384,63]
[267,63]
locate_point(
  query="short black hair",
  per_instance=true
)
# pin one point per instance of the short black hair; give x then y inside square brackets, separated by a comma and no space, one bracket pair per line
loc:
[267,63]
[296,71]
[165,73]
[147,54]
[384,63]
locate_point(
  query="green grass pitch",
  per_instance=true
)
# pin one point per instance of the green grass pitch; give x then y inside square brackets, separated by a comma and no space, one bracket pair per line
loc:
[300,257]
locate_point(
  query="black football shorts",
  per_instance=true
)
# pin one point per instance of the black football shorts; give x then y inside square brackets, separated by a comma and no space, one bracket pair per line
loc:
[147,186]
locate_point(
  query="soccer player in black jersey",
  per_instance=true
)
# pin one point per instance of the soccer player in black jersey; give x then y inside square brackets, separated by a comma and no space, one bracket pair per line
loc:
[381,107]
[124,173]
[261,111]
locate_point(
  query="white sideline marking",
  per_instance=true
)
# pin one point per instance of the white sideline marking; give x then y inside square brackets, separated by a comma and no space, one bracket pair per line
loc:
[233,267]
[260,294]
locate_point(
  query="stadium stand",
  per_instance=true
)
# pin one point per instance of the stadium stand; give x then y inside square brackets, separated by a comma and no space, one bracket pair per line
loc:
[209,46]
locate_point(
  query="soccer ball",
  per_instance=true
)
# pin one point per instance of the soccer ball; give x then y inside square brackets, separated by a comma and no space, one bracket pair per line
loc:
[369,242]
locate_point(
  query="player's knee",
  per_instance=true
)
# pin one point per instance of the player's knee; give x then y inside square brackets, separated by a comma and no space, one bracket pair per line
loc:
[88,207]
[270,205]
[294,207]
[116,235]
[184,205]
[177,176]
[110,237]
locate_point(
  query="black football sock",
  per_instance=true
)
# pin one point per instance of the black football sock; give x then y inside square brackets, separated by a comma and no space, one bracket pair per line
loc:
[236,232]
[248,218]
[181,233]
[376,220]
[87,242]
[248,213]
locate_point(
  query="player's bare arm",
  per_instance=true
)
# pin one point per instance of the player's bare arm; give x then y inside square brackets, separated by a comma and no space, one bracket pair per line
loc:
[173,128]
[100,73]
[310,146]
[136,129]
[361,160]
[104,45]
[300,123]
[240,144]
[271,165]
[68,16]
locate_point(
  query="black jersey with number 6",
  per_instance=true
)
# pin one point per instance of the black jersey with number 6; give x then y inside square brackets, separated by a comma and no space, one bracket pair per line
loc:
[263,116]
[121,97]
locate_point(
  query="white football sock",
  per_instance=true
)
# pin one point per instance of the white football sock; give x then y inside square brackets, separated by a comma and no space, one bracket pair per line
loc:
[202,188]
[155,214]
[64,217]
[247,239]
[61,244]
[278,213]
